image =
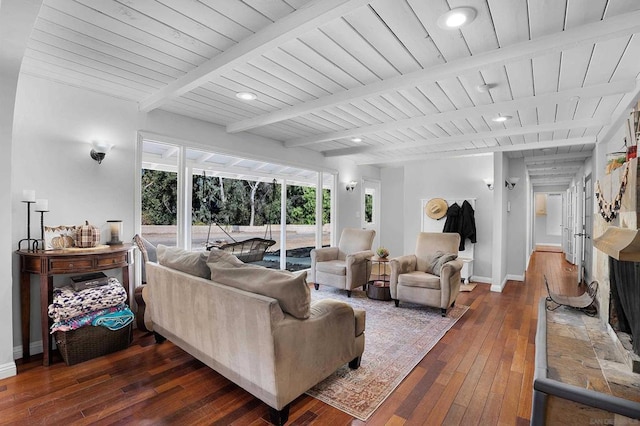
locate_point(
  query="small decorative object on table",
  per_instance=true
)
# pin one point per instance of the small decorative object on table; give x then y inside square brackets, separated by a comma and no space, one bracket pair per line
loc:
[87,235]
[94,279]
[115,226]
[382,252]
[28,197]
[59,237]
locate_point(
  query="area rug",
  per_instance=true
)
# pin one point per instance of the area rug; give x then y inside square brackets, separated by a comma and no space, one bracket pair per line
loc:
[467,287]
[396,340]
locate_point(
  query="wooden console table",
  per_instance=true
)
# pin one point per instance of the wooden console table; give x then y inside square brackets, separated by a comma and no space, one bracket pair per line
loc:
[57,262]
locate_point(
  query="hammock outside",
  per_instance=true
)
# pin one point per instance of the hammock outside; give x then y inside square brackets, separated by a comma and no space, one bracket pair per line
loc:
[250,250]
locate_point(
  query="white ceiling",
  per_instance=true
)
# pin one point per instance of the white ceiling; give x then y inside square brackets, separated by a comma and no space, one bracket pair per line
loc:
[326,71]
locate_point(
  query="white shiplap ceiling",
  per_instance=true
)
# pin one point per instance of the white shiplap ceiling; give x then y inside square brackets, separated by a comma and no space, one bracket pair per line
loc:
[327,71]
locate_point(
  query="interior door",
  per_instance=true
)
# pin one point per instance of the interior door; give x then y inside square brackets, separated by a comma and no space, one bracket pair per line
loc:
[371,208]
[569,225]
[578,229]
[587,230]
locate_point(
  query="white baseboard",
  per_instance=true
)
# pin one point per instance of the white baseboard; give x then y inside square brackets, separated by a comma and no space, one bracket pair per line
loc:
[8,370]
[34,348]
[480,280]
[499,288]
[513,277]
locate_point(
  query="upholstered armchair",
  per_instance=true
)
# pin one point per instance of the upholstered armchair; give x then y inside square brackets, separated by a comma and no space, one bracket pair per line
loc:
[431,276]
[346,266]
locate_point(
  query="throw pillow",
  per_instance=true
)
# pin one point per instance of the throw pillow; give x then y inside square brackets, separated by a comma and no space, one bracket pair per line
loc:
[289,289]
[221,256]
[439,259]
[190,262]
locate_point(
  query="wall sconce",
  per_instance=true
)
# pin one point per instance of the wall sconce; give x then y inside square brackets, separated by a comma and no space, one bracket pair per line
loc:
[351,185]
[489,183]
[99,150]
[510,183]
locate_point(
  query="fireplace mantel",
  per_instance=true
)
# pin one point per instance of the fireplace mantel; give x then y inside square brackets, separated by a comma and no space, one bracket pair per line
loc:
[620,243]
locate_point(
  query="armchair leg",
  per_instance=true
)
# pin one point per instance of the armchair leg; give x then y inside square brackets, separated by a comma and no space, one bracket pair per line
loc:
[348,293]
[279,417]
[316,285]
[453,303]
[159,337]
[443,311]
[354,364]
[397,302]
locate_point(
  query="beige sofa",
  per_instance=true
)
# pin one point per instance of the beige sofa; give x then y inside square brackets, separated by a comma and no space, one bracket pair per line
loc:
[248,338]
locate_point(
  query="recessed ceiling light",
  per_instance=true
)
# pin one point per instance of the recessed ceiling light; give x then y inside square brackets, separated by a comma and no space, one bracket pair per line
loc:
[356,139]
[246,96]
[456,18]
[501,118]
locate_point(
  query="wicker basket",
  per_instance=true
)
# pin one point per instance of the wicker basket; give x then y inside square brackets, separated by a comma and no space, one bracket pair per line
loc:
[89,342]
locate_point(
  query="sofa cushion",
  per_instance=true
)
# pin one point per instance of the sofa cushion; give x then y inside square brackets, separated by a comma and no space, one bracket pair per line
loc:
[438,259]
[419,279]
[190,262]
[334,267]
[224,257]
[289,289]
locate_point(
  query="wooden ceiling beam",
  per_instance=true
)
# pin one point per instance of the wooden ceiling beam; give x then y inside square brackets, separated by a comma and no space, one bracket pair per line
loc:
[617,26]
[309,17]
[482,151]
[551,181]
[557,157]
[513,131]
[464,113]
[555,173]
[555,165]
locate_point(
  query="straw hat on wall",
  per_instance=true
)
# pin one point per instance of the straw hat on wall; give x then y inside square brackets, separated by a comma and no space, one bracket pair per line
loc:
[436,208]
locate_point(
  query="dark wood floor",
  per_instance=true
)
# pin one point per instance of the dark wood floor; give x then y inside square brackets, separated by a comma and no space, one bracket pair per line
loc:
[481,372]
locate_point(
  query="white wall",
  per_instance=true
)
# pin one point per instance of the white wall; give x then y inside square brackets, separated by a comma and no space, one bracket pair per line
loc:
[16,21]
[456,178]
[499,257]
[516,222]
[54,124]
[392,210]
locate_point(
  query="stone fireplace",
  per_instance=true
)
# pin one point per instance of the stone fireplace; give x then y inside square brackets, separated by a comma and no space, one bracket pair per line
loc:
[617,264]
[622,246]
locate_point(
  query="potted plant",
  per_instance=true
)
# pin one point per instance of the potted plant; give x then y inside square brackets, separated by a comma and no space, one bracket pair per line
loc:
[382,252]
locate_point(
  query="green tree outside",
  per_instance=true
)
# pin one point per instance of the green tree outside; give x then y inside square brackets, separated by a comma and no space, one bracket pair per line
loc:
[227,201]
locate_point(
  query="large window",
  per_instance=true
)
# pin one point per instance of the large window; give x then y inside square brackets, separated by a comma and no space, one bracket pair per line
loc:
[226,201]
[159,197]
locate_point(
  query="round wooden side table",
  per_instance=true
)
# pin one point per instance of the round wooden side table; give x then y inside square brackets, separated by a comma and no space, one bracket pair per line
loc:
[378,285]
